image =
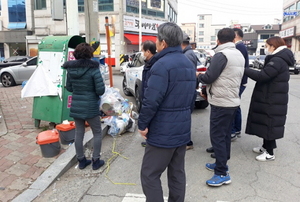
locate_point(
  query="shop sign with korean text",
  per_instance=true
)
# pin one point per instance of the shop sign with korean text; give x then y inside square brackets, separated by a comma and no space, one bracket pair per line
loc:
[132,24]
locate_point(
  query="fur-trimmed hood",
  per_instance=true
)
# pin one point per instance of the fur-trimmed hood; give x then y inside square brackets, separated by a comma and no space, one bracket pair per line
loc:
[77,68]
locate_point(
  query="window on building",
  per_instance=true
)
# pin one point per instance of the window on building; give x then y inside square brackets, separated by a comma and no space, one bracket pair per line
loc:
[200,40]
[216,31]
[213,38]
[268,26]
[201,17]
[16,14]
[291,8]
[40,5]
[152,8]
[266,36]
[298,6]
[81,6]
[201,25]
[213,43]
[105,5]
[201,33]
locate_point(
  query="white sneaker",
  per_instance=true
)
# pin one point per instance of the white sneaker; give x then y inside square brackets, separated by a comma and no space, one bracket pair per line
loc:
[259,150]
[265,157]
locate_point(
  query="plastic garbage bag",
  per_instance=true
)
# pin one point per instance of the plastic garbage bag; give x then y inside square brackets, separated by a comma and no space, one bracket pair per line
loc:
[119,124]
[111,102]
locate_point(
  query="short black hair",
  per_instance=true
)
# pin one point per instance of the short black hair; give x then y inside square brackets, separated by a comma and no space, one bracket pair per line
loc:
[149,45]
[171,33]
[83,51]
[226,35]
[239,32]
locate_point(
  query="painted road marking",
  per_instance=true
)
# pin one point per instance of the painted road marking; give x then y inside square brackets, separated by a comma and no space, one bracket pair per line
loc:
[129,197]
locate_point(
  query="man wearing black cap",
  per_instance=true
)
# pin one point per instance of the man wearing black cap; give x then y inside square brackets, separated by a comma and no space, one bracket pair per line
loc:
[189,53]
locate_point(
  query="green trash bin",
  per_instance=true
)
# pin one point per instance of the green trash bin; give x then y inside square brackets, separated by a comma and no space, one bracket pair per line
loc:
[53,51]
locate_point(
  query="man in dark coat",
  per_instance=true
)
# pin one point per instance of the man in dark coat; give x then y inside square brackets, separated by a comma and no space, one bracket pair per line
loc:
[189,53]
[268,107]
[148,52]
[165,117]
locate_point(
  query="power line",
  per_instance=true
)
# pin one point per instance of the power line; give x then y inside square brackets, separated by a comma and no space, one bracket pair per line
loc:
[227,10]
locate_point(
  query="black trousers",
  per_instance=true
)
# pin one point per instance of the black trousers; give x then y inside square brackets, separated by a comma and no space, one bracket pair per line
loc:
[269,145]
[221,119]
[155,161]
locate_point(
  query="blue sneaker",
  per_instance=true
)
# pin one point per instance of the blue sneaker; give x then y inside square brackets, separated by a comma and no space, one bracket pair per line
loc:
[211,167]
[219,180]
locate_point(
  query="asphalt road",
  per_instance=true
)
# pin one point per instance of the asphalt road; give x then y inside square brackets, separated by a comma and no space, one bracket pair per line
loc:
[251,180]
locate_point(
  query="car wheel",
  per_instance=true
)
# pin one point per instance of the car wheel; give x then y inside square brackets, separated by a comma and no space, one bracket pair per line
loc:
[296,71]
[138,101]
[7,80]
[125,89]
[201,104]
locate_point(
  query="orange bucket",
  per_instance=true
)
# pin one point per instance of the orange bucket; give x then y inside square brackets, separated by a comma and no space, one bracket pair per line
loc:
[66,127]
[47,137]
[49,143]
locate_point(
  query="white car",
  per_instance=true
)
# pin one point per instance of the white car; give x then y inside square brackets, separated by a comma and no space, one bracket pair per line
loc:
[13,75]
[132,83]
[201,56]
[251,59]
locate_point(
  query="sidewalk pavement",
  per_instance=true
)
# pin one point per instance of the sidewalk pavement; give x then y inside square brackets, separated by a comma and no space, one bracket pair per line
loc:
[24,172]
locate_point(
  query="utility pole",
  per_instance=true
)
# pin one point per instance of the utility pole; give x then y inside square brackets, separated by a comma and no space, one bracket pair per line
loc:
[108,51]
[91,21]
[72,17]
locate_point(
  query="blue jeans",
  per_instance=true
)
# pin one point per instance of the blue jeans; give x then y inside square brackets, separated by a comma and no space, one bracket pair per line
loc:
[237,121]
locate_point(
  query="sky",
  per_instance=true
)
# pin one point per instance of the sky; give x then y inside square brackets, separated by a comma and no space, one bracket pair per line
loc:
[224,11]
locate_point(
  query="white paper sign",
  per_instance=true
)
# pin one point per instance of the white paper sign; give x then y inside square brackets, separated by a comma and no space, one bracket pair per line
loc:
[148,26]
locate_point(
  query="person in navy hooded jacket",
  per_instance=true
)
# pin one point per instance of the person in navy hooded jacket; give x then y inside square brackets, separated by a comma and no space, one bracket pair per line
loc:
[165,116]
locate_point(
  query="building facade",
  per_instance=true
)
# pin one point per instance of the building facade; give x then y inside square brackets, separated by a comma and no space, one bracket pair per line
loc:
[190,30]
[290,30]
[25,23]
[206,32]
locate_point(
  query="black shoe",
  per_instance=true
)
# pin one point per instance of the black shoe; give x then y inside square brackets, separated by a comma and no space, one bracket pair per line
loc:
[213,155]
[97,164]
[143,144]
[210,150]
[83,163]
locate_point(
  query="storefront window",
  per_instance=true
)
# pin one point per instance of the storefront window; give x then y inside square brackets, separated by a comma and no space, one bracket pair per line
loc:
[266,36]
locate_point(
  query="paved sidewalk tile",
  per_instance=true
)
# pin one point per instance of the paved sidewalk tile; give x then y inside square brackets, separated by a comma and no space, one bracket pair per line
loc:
[21,161]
